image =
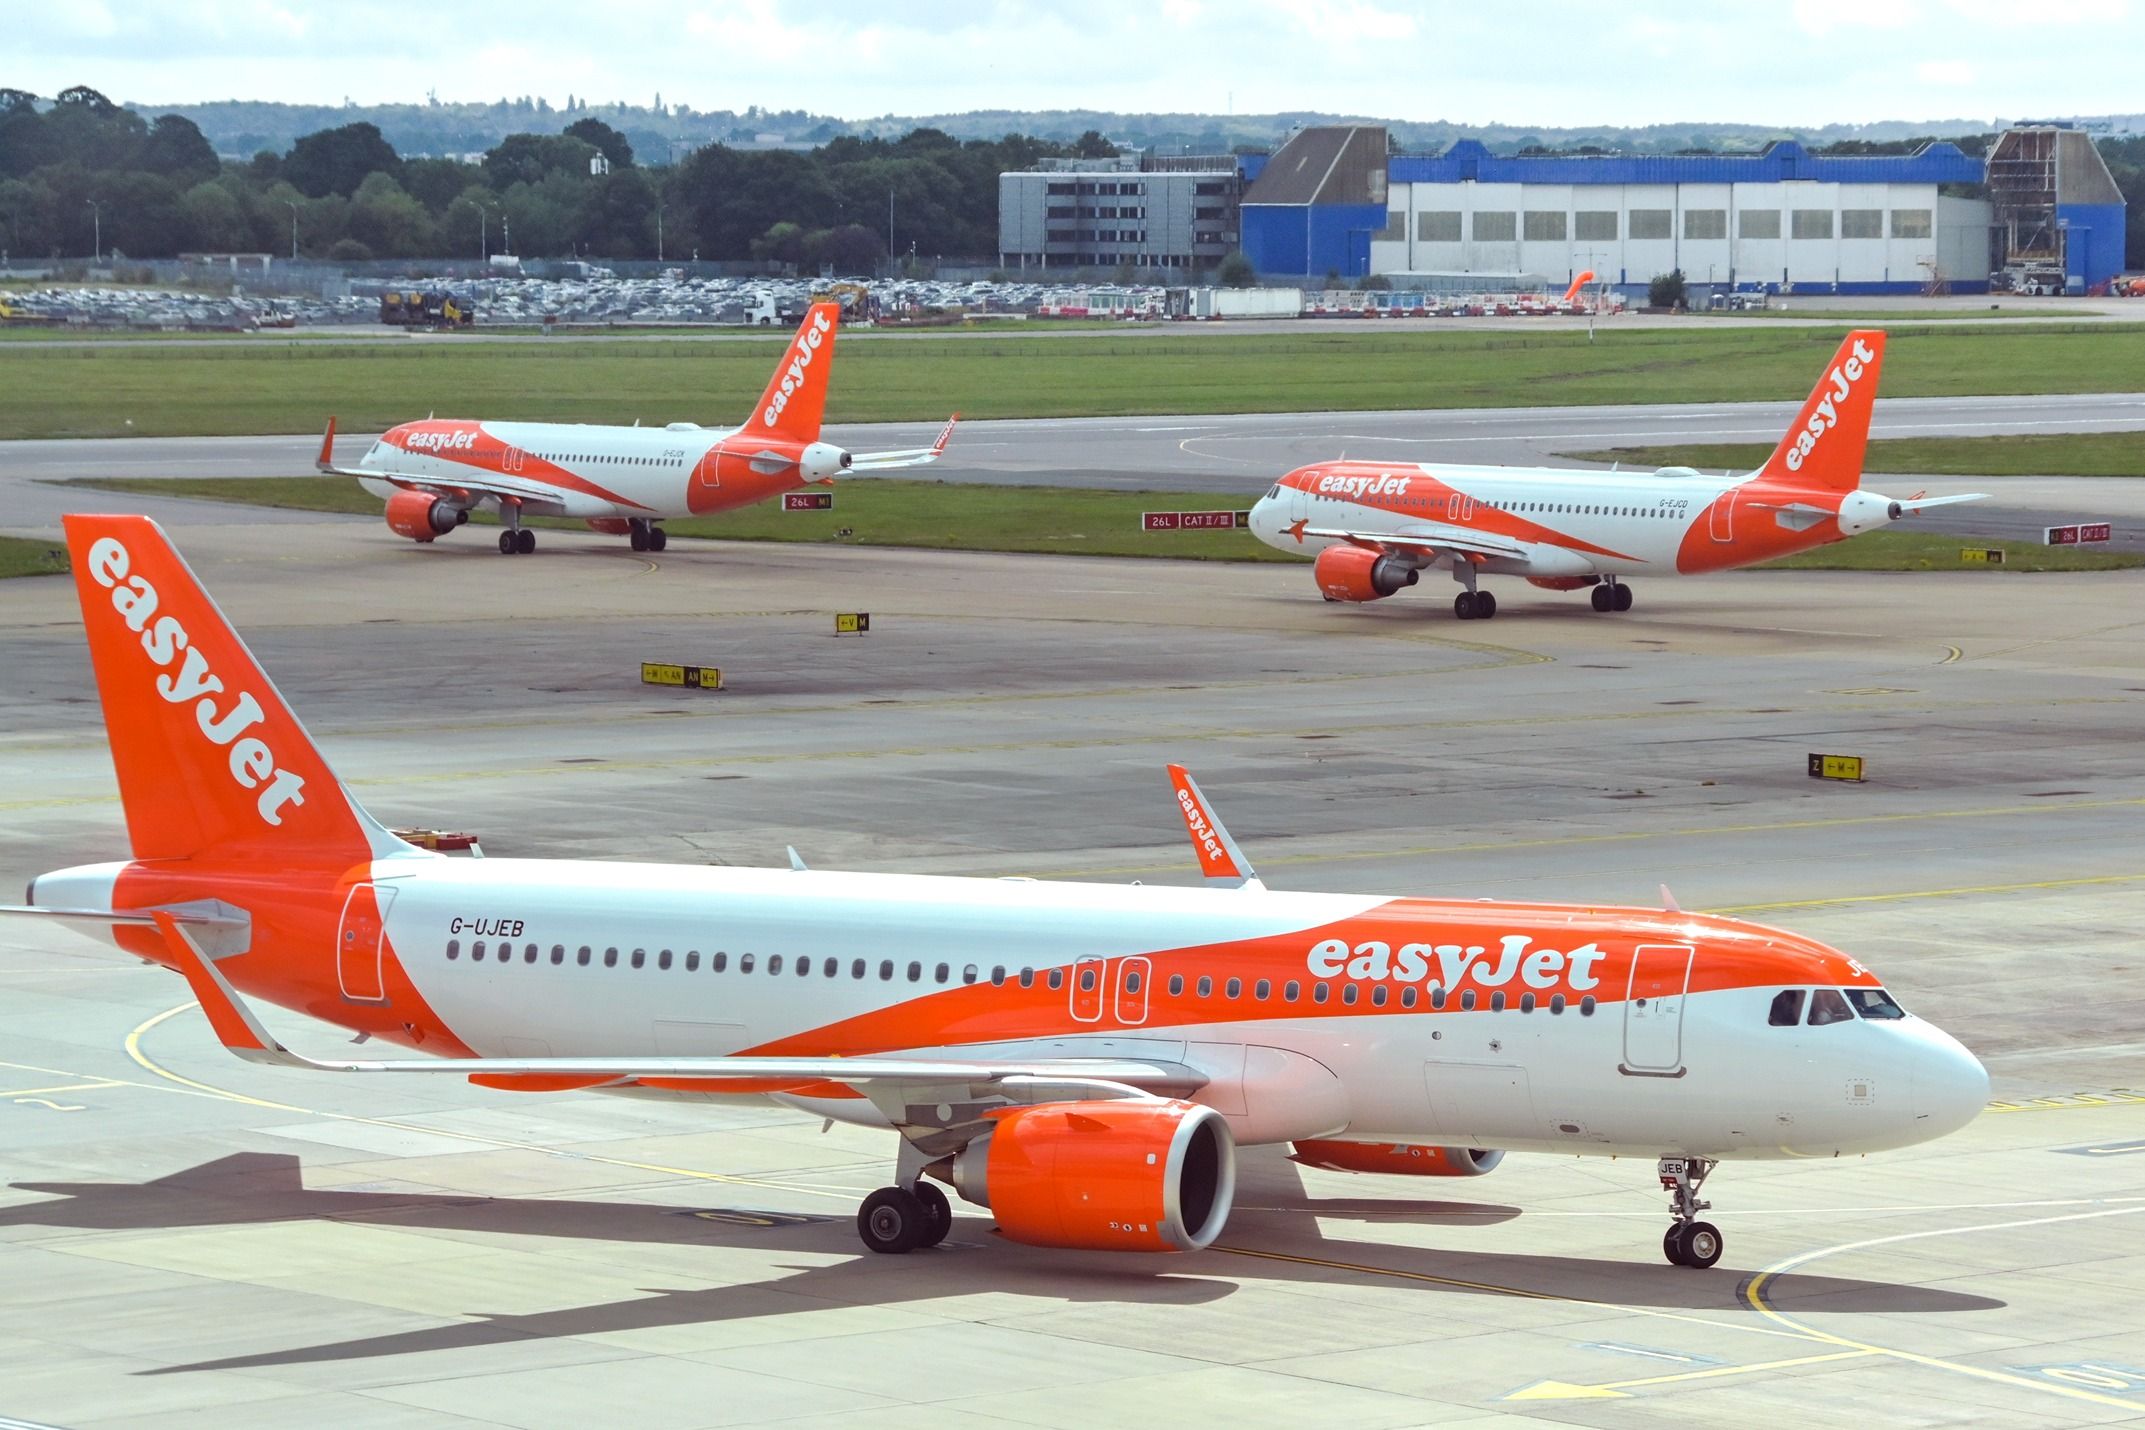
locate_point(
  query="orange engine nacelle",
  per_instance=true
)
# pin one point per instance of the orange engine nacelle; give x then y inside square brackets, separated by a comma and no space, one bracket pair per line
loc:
[422,516]
[1105,1176]
[1564,583]
[1355,573]
[1398,1159]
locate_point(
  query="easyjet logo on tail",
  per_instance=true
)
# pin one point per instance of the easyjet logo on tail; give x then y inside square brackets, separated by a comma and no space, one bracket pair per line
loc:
[1203,835]
[801,355]
[164,639]
[1826,415]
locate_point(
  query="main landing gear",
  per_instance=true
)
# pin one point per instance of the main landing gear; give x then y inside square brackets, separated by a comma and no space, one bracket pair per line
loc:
[1690,1242]
[516,541]
[646,535]
[1613,595]
[898,1219]
[1471,604]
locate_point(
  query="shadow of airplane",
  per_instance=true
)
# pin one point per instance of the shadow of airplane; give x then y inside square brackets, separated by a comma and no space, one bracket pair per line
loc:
[260,1188]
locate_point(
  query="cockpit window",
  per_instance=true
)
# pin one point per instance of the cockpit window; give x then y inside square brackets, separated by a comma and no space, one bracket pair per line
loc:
[1787,1008]
[1274,491]
[1875,1004]
[1827,1006]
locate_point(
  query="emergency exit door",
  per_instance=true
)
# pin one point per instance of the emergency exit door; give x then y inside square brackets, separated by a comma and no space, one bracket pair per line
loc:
[1653,1010]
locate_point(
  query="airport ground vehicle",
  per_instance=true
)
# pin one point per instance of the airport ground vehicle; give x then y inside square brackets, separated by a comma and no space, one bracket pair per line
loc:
[623,481]
[1375,528]
[430,308]
[1082,1058]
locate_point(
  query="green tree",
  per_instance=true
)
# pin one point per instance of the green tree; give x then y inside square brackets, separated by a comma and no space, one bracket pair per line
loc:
[388,221]
[176,150]
[1093,145]
[336,161]
[605,139]
[782,243]
[215,220]
[853,250]
[1236,271]
[529,158]
[617,217]
[1666,290]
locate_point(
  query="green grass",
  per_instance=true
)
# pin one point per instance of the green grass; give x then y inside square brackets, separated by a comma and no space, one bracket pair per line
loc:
[1068,521]
[1920,551]
[22,557]
[878,511]
[262,385]
[2065,454]
[1878,317]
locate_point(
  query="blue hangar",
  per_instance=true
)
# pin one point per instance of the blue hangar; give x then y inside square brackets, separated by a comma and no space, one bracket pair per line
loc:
[1333,200]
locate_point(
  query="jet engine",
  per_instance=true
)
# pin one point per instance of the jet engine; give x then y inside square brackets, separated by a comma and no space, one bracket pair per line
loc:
[1397,1159]
[1355,573]
[1132,1175]
[421,516]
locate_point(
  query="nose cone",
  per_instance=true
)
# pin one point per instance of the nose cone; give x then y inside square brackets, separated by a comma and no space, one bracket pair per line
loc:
[1950,1084]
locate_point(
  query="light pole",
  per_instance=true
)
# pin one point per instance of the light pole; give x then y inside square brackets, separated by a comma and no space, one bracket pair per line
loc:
[484,243]
[659,230]
[96,222]
[293,229]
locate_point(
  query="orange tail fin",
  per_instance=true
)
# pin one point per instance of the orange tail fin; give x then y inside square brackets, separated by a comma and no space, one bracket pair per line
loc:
[210,759]
[1826,446]
[797,394]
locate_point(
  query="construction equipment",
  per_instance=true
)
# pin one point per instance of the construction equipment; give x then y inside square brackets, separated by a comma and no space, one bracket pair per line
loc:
[436,308]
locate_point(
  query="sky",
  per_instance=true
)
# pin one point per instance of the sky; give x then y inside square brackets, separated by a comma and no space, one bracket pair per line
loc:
[1552,63]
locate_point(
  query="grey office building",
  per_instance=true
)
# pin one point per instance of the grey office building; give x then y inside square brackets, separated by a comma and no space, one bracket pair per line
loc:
[1176,214]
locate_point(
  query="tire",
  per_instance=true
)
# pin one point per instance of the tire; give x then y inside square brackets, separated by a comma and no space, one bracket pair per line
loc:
[1463,605]
[1485,605]
[1623,598]
[938,1214]
[657,538]
[1701,1245]
[1672,1246]
[639,537]
[1603,598]
[507,544]
[892,1221]
[525,542]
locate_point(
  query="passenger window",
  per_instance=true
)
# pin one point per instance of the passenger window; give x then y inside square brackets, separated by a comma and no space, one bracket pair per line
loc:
[1262,990]
[916,972]
[583,954]
[1787,1008]
[1289,990]
[1827,1006]
[1206,987]
[1497,1001]
[1875,1004]
[1377,996]
[1348,994]
[476,950]
[744,963]
[454,948]
[941,973]
[1526,1002]
[1467,1001]
[774,963]
[1437,997]
[692,961]
[718,961]
[1176,985]
[886,970]
[831,969]
[998,975]
[1027,978]
[1087,980]
[662,960]
[1586,1006]
[528,953]
[1132,982]
[558,953]
[856,968]
[1235,988]
[1556,1002]
[610,958]
[1057,979]
[640,956]
[1318,993]
[1407,996]
[804,967]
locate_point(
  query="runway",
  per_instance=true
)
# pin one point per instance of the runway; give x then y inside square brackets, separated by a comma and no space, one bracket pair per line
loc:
[1238,455]
[185,1236]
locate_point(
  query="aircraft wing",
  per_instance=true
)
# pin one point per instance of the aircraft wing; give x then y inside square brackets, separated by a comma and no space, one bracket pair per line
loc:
[460,487]
[242,1033]
[905,457]
[1426,541]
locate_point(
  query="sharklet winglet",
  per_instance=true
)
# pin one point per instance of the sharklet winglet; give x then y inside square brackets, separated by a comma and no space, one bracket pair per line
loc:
[1219,858]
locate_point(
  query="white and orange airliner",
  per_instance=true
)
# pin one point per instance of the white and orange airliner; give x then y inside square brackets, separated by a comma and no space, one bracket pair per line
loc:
[1083,1059]
[622,481]
[1374,528]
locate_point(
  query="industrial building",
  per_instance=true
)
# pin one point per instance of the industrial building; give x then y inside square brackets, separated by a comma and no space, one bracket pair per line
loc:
[1333,201]
[1175,213]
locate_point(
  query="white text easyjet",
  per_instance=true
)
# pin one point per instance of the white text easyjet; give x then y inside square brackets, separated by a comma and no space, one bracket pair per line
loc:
[253,763]
[1827,415]
[807,344]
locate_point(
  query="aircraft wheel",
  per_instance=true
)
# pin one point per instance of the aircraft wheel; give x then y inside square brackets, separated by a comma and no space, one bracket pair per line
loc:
[1672,1245]
[507,545]
[639,537]
[1464,606]
[1485,605]
[1701,1245]
[1604,598]
[657,538]
[938,1214]
[892,1221]
[1623,598]
[524,542]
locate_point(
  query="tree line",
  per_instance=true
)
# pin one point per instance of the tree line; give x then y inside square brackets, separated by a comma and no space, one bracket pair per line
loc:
[85,171]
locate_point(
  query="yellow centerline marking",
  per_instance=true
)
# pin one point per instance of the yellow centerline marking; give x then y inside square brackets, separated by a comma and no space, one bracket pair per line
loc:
[135,1051]
[2067,1101]
[1754,1293]
[63,1087]
[1614,1389]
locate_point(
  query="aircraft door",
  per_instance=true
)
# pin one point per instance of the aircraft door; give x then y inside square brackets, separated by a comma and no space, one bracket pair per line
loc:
[1723,515]
[1087,980]
[1653,1010]
[361,943]
[511,459]
[1299,503]
[1132,976]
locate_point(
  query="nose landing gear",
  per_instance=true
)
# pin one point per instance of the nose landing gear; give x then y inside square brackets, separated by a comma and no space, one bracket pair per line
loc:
[1690,1242]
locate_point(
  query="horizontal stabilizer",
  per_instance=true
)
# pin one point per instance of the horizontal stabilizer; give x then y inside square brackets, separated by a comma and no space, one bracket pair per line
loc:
[1909,508]
[904,457]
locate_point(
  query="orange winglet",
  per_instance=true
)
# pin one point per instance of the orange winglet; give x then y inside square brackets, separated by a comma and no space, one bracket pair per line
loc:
[237,1029]
[1219,858]
[327,446]
[945,434]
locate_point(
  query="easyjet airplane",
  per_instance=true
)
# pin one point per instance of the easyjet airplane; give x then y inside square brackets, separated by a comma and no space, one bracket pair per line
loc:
[1376,527]
[623,481]
[1083,1059]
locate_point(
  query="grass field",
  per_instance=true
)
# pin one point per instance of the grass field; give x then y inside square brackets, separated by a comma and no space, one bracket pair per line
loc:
[1878,317]
[150,389]
[1066,521]
[20,557]
[2066,454]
